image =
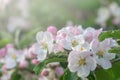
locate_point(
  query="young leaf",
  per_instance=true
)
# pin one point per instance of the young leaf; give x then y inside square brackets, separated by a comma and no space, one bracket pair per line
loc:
[41,65]
[15,76]
[109,34]
[69,75]
[38,69]
[92,76]
[115,50]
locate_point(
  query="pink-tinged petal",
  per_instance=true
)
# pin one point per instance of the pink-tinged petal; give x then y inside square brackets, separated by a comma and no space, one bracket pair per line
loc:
[52,30]
[3,52]
[105,64]
[97,33]
[95,45]
[40,53]
[57,48]
[88,36]
[78,30]
[83,71]
[109,56]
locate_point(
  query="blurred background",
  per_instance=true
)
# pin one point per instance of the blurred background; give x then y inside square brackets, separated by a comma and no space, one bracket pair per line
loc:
[26,16]
[21,19]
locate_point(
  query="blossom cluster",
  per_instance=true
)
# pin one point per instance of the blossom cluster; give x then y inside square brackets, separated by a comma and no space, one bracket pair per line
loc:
[112,11]
[12,59]
[85,51]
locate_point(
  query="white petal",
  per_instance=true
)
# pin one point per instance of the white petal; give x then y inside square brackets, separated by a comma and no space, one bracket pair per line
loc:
[48,37]
[83,71]
[109,56]
[105,64]
[95,45]
[91,63]
[10,63]
[105,44]
[73,67]
[66,44]
[42,55]
[39,36]
[73,56]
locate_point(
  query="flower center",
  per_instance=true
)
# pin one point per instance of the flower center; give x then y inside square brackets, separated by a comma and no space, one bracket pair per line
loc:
[44,45]
[100,53]
[81,48]
[74,42]
[14,56]
[82,61]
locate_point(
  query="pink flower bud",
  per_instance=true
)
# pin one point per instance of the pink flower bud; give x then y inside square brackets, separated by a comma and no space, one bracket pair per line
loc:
[23,64]
[9,46]
[35,61]
[2,52]
[52,30]
[31,52]
[44,72]
[59,71]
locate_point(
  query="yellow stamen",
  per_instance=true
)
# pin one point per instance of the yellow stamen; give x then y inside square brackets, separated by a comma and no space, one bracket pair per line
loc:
[74,43]
[44,45]
[82,61]
[100,53]
[14,56]
[81,48]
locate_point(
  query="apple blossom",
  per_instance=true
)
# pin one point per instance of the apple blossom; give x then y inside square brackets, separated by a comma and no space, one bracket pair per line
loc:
[81,62]
[101,52]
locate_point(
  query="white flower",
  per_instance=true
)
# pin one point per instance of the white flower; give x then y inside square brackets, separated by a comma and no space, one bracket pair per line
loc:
[81,62]
[83,47]
[10,59]
[40,53]
[100,49]
[44,45]
[45,40]
[91,33]
[101,19]
[13,57]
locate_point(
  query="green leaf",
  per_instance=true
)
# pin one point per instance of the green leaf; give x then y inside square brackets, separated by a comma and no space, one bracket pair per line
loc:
[3,42]
[92,76]
[38,69]
[41,65]
[118,41]
[69,75]
[110,74]
[115,50]
[109,34]
[15,76]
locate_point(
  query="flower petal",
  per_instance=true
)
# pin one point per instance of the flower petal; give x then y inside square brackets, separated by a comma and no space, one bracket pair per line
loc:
[83,71]
[105,64]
